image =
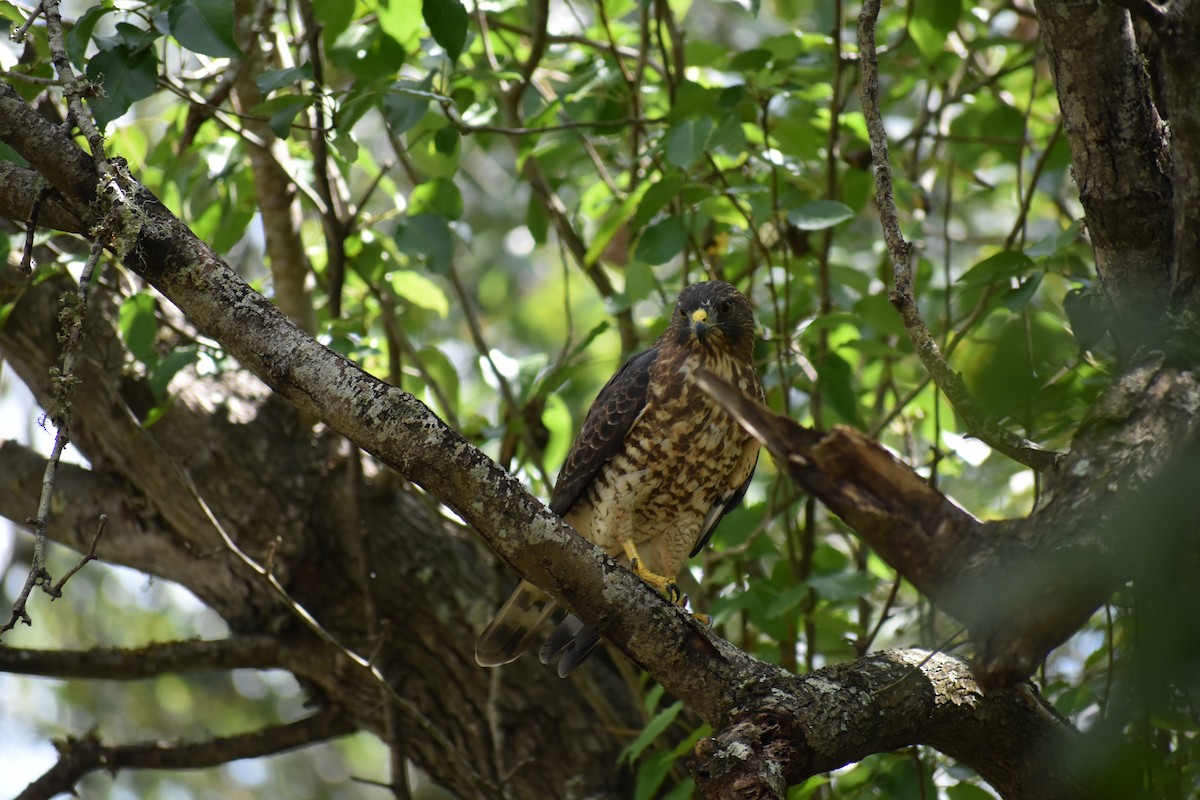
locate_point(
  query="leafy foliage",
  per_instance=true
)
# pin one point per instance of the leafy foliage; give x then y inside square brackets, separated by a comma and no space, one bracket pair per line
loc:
[495,246]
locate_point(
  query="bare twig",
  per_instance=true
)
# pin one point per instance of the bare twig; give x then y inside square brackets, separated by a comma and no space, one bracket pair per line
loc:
[63,382]
[74,87]
[900,252]
[55,591]
[31,229]
[78,757]
[18,35]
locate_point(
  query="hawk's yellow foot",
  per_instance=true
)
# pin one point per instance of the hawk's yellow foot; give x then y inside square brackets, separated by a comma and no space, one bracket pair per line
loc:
[665,585]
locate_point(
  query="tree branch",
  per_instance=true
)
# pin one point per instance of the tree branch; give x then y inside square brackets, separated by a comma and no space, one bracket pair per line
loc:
[1022,586]
[136,663]
[797,728]
[19,191]
[78,757]
[1179,34]
[900,251]
[1119,154]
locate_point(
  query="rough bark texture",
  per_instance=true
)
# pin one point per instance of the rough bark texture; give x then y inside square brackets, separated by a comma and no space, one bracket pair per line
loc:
[1119,152]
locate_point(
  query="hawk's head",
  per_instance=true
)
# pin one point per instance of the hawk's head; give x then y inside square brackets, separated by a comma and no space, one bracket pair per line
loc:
[714,316]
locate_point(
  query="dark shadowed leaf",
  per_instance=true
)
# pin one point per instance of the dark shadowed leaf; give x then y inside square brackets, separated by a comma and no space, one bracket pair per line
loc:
[447,21]
[204,26]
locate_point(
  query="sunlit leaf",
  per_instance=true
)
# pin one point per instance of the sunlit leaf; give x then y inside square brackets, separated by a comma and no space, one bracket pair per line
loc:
[661,721]
[139,326]
[419,290]
[819,215]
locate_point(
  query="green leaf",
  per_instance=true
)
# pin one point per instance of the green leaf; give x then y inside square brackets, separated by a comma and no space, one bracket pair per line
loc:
[419,290]
[127,76]
[441,369]
[81,32]
[662,720]
[656,198]
[751,60]
[168,366]
[662,241]
[399,19]
[819,215]
[439,196]
[139,326]
[1014,299]
[967,791]
[942,15]
[273,79]
[557,419]
[1001,266]
[405,104]
[686,141]
[447,21]
[1055,243]
[204,26]
[427,235]
[840,586]
[334,16]
[282,112]
[613,221]
[639,281]
[837,387]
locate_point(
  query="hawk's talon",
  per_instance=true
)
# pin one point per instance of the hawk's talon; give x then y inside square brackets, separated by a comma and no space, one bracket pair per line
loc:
[704,619]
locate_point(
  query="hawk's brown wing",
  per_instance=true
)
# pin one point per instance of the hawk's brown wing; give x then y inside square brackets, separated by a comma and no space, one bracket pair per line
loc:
[723,506]
[609,419]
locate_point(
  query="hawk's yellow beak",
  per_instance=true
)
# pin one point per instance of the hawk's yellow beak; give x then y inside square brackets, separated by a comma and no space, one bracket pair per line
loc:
[700,322]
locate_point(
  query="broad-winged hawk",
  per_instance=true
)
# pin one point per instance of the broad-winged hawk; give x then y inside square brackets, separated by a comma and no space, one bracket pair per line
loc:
[654,468]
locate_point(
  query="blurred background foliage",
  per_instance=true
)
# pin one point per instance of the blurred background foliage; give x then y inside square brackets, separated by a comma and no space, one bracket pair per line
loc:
[500,201]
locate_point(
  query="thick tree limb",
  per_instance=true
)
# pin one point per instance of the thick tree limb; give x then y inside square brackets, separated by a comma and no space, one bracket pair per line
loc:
[1022,586]
[1119,153]
[19,190]
[264,477]
[135,663]
[1179,33]
[78,757]
[814,723]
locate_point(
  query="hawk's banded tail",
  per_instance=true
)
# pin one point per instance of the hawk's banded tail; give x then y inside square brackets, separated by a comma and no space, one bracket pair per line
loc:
[509,632]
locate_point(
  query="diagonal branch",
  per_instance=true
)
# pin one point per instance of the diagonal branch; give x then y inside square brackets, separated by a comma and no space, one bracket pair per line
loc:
[1022,586]
[78,757]
[900,252]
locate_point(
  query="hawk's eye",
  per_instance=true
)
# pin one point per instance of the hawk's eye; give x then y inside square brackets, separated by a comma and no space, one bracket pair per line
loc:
[725,307]
[682,313]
